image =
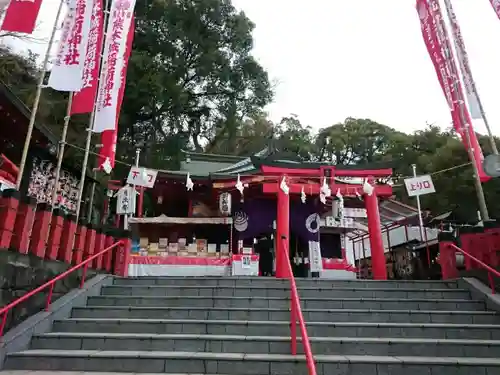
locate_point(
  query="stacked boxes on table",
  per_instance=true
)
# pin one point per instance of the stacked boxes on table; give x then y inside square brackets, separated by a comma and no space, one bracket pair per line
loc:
[200,248]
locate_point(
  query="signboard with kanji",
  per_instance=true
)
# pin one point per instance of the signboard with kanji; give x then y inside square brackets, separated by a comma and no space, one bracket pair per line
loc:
[139,176]
[125,200]
[419,185]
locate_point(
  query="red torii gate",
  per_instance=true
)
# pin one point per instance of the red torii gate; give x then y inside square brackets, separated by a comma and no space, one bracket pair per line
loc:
[293,176]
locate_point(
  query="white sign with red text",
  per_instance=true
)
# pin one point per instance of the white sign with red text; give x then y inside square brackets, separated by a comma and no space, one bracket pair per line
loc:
[112,64]
[67,72]
[419,185]
[142,177]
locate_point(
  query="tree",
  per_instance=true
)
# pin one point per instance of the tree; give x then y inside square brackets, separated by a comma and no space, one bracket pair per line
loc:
[191,79]
[20,74]
[356,141]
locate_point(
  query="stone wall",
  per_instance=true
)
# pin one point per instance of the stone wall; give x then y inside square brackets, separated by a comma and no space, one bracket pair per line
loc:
[22,273]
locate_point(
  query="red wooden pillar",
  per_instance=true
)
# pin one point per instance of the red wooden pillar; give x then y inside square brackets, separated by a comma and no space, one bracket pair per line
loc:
[447,257]
[122,258]
[79,246]
[100,239]
[9,203]
[89,243]
[108,256]
[40,230]
[282,233]
[379,269]
[67,239]
[56,228]
[24,223]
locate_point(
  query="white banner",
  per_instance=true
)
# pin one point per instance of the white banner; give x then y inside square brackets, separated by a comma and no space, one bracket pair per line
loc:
[67,72]
[113,60]
[463,62]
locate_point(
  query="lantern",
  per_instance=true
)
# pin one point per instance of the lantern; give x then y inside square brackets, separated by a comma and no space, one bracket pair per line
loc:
[225,204]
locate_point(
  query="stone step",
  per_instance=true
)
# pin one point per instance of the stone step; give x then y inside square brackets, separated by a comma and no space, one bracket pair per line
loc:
[321,315]
[280,328]
[244,364]
[270,282]
[266,344]
[275,291]
[276,302]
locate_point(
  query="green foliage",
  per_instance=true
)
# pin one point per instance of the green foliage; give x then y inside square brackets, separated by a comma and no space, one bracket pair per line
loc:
[191,78]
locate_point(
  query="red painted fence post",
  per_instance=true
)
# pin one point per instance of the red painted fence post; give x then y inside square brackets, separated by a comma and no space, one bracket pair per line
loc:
[110,255]
[24,223]
[40,230]
[466,243]
[491,228]
[122,258]
[79,246]
[89,243]
[100,239]
[447,257]
[9,203]
[67,239]
[56,228]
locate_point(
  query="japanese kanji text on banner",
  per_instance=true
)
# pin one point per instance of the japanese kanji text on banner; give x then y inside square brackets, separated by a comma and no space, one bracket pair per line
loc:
[83,101]
[440,51]
[419,185]
[114,52]
[67,72]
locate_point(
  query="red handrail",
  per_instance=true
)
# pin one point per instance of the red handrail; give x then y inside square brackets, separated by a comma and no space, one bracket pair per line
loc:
[491,271]
[296,314]
[4,311]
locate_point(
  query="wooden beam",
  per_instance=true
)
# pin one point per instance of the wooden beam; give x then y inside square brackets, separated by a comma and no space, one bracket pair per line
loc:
[345,190]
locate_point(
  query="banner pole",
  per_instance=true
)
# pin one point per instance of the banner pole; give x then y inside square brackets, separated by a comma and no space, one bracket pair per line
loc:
[481,200]
[460,45]
[81,185]
[62,145]
[36,101]
[420,221]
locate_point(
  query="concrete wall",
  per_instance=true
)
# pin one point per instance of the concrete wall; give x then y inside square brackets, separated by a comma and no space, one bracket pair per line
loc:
[21,273]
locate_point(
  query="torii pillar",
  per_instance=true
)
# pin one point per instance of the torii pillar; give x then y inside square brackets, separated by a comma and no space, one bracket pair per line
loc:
[282,233]
[379,269]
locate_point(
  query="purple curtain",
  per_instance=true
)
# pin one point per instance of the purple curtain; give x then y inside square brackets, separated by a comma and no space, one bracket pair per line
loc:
[254,217]
[304,221]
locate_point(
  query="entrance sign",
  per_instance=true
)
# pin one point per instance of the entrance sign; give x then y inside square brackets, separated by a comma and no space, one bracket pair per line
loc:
[419,185]
[139,176]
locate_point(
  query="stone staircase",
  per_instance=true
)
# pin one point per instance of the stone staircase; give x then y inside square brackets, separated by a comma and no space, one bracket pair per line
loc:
[241,326]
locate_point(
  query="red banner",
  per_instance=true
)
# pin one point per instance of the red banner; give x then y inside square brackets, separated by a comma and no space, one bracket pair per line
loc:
[109,137]
[21,15]
[83,101]
[496,6]
[440,51]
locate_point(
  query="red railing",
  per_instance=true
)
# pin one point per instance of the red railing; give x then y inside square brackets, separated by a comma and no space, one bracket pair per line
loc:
[4,311]
[491,271]
[296,314]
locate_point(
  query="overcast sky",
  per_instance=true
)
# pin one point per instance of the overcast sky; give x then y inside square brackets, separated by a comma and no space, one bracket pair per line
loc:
[331,59]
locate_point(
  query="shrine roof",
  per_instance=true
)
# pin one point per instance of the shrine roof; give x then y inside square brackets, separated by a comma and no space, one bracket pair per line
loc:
[392,213]
[7,94]
[220,167]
